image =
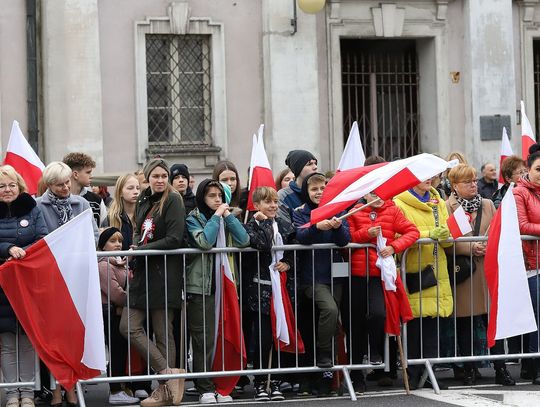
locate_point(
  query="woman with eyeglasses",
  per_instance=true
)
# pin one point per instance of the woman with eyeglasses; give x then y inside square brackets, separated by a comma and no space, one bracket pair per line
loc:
[471,295]
[21,224]
[59,206]
[512,169]
[527,195]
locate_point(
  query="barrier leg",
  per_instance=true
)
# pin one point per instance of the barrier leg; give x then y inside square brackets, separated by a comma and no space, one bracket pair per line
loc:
[80,395]
[37,374]
[386,353]
[429,372]
[348,382]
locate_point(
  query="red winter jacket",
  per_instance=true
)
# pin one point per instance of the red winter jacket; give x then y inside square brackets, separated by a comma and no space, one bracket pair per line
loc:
[392,222]
[527,197]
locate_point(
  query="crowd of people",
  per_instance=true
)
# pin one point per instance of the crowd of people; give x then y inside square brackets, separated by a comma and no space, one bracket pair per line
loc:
[157,208]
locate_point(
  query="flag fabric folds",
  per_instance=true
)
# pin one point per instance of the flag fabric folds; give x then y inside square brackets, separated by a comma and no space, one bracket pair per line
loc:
[396,302]
[21,156]
[55,294]
[353,154]
[281,311]
[260,171]
[458,223]
[511,311]
[527,134]
[229,348]
[506,151]
[385,179]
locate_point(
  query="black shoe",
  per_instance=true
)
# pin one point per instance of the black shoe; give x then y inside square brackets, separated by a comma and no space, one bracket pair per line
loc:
[477,374]
[375,359]
[413,382]
[374,375]
[43,395]
[359,386]
[325,387]
[502,376]
[536,380]
[260,392]
[459,372]
[275,393]
[305,389]
[324,361]
[469,377]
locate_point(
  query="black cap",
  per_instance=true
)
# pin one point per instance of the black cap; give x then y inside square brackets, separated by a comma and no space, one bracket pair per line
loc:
[297,159]
[179,169]
[105,236]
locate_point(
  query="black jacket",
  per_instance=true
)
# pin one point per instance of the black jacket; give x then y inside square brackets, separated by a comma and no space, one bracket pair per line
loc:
[261,236]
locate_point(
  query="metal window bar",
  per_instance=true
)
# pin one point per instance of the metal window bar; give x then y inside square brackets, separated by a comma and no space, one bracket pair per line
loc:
[179,90]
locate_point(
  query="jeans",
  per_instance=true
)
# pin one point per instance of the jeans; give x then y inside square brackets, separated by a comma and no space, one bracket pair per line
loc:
[25,357]
[534,289]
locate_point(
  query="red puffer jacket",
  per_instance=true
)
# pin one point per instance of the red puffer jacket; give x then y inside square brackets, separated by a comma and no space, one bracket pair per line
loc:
[527,197]
[392,222]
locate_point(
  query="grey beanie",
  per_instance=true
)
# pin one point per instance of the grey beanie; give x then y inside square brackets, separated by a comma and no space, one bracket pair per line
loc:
[152,164]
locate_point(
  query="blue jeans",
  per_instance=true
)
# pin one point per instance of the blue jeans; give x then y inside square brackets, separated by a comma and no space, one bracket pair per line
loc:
[534,289]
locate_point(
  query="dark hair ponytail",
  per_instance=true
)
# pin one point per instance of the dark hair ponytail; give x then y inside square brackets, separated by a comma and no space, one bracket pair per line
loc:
[534,154]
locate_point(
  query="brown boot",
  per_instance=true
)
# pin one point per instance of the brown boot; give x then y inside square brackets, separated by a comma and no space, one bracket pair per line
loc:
[159,397]
[176,387]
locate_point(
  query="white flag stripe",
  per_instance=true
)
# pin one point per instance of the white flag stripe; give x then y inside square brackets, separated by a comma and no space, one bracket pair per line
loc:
[387,265]
[77,261]
[423,166]
[18,144]
[515,314]
[282,330]
[251,160]
[353,154]
[526,128]
[462,220]
[506,148]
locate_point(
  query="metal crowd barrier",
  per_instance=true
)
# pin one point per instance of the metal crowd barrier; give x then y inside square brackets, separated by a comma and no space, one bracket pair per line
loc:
[294,363]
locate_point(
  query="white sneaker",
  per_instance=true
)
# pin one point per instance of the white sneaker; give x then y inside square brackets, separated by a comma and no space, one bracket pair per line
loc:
[122,398]
[223,399]
[207,398]
[141,394]
[13,402]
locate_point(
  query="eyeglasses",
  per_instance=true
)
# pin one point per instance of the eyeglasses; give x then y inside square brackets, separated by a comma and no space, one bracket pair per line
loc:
[470,182]
[520,172]
[11,186]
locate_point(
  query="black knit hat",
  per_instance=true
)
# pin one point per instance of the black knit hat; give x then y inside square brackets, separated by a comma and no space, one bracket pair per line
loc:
[179,169]
[105,236]
[297,159]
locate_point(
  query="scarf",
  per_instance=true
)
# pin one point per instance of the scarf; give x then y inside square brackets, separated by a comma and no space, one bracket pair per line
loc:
[61,207]
[424,198]
[469,205]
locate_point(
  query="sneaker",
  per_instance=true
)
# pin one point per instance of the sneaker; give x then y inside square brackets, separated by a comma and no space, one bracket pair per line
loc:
[304,390]
[160,397]
[296,387]
[285,387]
[12,402]
[375,359]
[176,386]
[223,399]
[260,392]
[122,398]
[239,389]
[275,394]
[192,391]
[207,398]
[324,388]
[359,386]
[44,395]
[28,402]
[141,394]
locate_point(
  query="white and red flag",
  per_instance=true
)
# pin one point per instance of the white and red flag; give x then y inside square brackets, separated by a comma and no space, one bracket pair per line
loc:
[506,151]
[459,223]
[260,171]
[55,294]
[21,156]
[511,311]
[398,308]
[229,348]
[527,134]
[353,154]
[385,179]
[286,336]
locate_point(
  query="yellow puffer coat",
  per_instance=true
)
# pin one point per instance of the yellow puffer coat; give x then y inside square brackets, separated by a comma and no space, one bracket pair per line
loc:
[422,215]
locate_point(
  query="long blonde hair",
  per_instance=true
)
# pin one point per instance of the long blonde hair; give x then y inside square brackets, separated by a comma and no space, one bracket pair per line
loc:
[117,205]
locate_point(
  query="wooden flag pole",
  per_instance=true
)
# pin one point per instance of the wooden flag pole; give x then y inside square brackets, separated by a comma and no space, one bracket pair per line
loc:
[403,365]
[359,209]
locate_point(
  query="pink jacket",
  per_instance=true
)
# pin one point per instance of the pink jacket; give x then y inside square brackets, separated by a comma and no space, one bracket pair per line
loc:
[527,197]
[113,275]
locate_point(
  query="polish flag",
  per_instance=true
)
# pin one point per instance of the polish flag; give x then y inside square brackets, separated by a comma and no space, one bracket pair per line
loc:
[284,331]
[229,348]
[353,154]
[21,156]
[506,151]
[55,294]
[385,179]
[527,134]
[458,223]
[260,171]
[511,311]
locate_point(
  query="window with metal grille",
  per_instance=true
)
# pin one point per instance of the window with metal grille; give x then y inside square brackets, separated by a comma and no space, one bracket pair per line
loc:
[380,92]
[178,84]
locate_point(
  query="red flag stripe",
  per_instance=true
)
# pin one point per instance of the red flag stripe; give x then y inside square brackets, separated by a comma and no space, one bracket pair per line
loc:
[491,268]
[59,341]
[30,173]
[261,177]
